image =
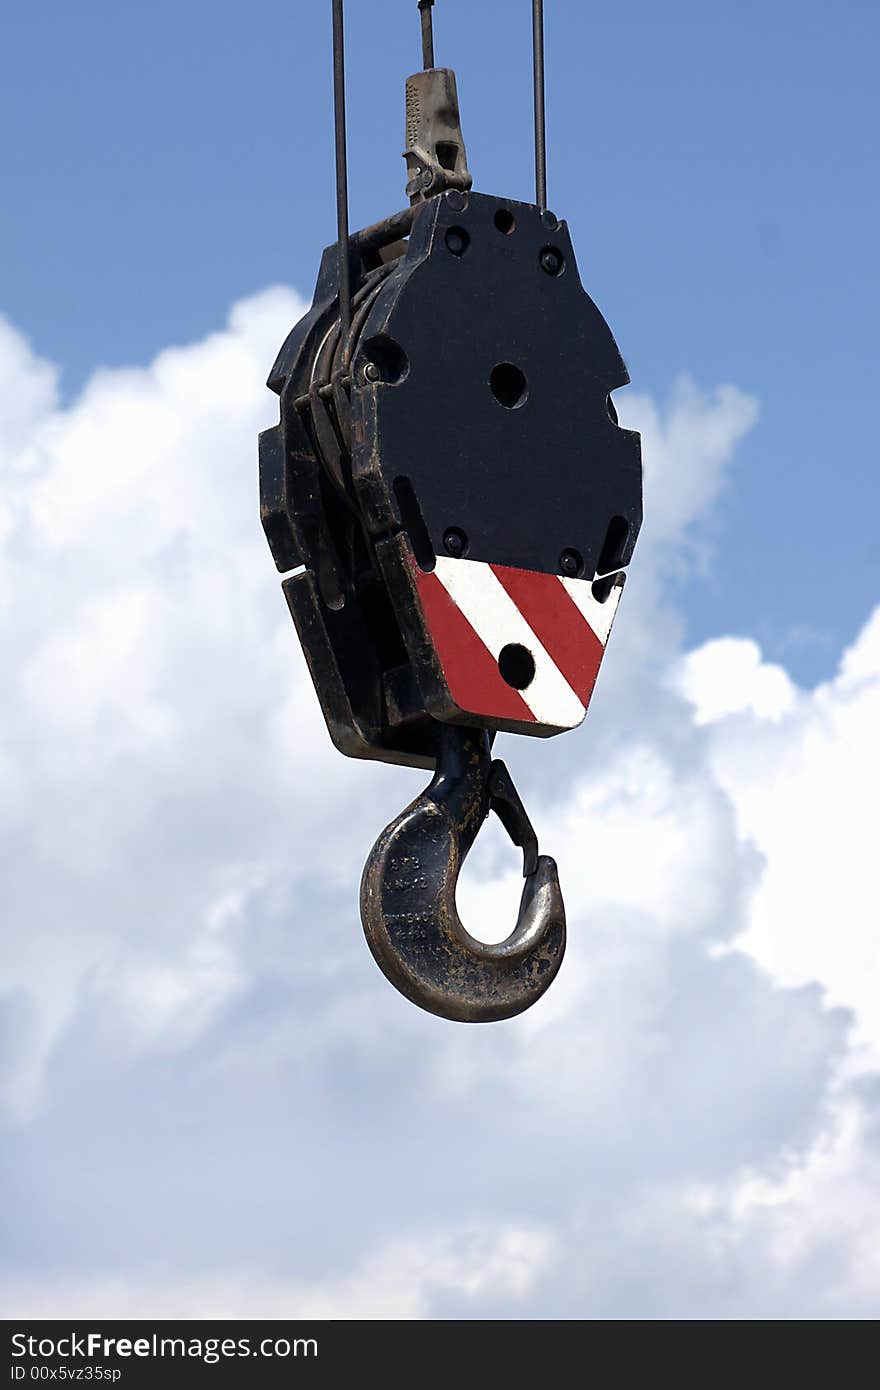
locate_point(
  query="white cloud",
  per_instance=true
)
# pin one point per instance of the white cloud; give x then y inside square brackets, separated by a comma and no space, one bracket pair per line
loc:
[400,1281]
[819,1210]
[188,1012]
[28,393]
[801,770]
[727,676]
[687,448]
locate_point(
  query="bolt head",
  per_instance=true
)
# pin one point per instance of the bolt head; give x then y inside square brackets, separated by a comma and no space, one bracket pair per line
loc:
[371,372]
[551,260]
[455,542]
[571,563]
[456,200]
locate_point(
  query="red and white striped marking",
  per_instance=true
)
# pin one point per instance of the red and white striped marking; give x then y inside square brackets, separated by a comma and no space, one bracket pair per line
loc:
[473,609]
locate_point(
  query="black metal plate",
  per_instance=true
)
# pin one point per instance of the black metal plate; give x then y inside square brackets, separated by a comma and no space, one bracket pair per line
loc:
[523,480]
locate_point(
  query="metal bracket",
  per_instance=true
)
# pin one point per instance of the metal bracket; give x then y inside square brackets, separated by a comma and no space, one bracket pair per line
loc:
[435,154]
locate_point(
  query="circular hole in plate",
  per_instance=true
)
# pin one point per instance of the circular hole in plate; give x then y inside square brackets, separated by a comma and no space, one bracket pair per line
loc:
[509,385]
[457,241]
[517,665]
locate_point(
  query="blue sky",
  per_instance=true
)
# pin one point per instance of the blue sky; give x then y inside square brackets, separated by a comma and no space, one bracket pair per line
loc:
[202,1073]
[716,164]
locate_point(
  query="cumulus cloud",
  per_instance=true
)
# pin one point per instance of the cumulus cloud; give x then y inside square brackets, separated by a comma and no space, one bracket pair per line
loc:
[214,1102]
[801,770]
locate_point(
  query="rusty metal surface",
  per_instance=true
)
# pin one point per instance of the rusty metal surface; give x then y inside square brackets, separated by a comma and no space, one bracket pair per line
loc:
[408,896]
[435,154]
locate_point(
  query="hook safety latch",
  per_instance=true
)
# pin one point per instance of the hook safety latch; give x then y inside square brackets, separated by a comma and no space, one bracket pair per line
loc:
[408,894]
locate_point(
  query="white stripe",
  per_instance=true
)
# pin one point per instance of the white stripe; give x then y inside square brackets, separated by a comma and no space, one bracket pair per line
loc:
[600,616]
[495,618]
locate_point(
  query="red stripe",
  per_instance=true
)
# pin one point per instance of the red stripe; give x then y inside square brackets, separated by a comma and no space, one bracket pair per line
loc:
[471,671]
[559,625]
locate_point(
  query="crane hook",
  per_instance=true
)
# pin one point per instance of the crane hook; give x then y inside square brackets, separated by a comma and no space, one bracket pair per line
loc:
[408,894]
